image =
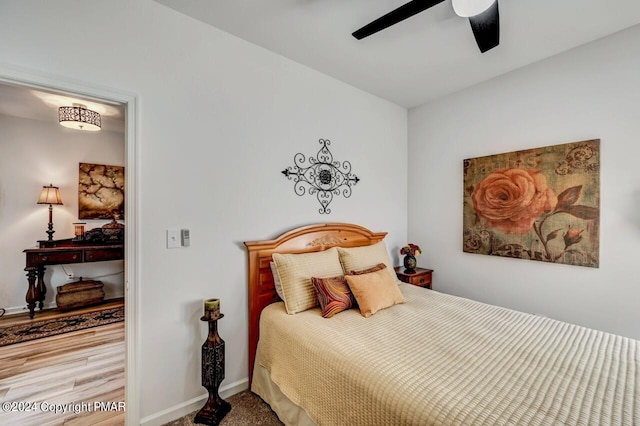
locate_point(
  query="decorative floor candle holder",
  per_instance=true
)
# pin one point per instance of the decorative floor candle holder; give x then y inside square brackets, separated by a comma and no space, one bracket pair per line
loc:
[215,408]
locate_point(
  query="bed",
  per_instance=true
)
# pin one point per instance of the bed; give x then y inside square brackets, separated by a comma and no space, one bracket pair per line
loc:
[435,359]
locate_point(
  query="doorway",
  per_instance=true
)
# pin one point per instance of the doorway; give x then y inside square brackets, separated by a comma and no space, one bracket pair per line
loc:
[34,81]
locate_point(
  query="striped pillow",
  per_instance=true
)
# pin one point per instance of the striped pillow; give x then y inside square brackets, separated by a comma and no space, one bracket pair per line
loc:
[276,280]
[378,267]
[358,258]
[333,295]
[296,270]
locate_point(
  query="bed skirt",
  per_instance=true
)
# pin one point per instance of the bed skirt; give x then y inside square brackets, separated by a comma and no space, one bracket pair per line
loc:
[288,412]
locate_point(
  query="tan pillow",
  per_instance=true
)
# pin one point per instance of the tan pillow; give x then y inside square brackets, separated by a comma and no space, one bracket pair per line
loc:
[374,291]
[358,258]
[296,270]
[276,280]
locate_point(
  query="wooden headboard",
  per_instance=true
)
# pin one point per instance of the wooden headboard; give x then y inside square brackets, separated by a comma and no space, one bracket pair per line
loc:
[300,240]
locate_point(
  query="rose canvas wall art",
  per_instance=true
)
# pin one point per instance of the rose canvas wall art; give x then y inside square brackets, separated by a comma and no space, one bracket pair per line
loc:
[538,204]
[100,192]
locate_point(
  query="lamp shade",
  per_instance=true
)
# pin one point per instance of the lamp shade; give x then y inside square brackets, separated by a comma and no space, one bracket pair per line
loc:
[50,195]
[79,117]
[468,8]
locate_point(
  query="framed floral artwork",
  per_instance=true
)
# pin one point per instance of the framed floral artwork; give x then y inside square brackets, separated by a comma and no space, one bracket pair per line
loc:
[538,204]
[100,192]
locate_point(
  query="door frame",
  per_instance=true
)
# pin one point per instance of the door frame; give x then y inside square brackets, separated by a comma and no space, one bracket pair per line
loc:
[35,79]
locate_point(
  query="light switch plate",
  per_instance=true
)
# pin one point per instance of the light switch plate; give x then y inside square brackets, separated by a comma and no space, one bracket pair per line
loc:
[173,238]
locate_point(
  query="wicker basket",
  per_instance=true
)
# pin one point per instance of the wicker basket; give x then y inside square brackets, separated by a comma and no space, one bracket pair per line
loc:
[79,294]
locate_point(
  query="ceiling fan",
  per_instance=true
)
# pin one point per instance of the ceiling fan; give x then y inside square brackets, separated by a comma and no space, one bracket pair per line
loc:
[483,16]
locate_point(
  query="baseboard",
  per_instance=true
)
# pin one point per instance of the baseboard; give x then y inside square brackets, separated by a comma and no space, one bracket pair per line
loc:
[180,410]
[24,309]
[51,305]
[18,310]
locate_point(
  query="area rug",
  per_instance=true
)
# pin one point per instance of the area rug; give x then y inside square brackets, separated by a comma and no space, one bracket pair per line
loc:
[51,327]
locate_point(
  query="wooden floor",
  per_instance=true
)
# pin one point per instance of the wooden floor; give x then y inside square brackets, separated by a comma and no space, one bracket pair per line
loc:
[70,371]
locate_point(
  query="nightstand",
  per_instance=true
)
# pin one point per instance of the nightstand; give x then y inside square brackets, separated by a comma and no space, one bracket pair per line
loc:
[421,278]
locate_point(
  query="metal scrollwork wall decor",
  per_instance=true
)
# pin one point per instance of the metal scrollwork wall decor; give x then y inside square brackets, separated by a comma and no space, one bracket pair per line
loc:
[323,177]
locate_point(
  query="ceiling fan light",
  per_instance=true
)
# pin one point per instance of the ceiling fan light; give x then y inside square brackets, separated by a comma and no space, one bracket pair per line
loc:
[468,8]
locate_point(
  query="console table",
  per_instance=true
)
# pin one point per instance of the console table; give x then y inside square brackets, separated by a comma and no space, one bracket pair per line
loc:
[59,252]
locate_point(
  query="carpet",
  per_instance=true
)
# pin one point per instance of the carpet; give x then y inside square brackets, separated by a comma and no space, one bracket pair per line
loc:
[247,409]
[37,329]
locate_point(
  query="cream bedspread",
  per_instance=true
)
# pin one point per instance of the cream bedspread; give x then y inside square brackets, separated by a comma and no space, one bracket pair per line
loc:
[444,360]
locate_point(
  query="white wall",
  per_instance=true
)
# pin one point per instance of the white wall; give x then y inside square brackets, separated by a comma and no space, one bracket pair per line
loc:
[32,154]
[219,119]
[587,93]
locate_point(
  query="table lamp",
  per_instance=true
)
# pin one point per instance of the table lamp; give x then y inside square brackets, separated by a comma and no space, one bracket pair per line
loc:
[50,195]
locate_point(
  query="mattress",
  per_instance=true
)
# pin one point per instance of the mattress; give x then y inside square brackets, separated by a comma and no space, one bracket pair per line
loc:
[444,360]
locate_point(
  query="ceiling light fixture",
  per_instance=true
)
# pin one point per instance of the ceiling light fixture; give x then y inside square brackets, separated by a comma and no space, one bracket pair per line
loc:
[79,117]
[469,8]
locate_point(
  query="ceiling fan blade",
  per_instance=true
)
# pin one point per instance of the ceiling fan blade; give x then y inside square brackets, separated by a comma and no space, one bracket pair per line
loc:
[397,15]
[486,28]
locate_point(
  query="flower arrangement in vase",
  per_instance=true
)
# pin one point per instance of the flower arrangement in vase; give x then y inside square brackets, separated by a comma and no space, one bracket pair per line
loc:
[410,251]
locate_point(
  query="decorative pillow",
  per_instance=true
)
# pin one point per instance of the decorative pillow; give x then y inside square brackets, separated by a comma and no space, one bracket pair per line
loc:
[358,258]
[296,270]
[333,295]
[374,291]
[378,267]
[276,280]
